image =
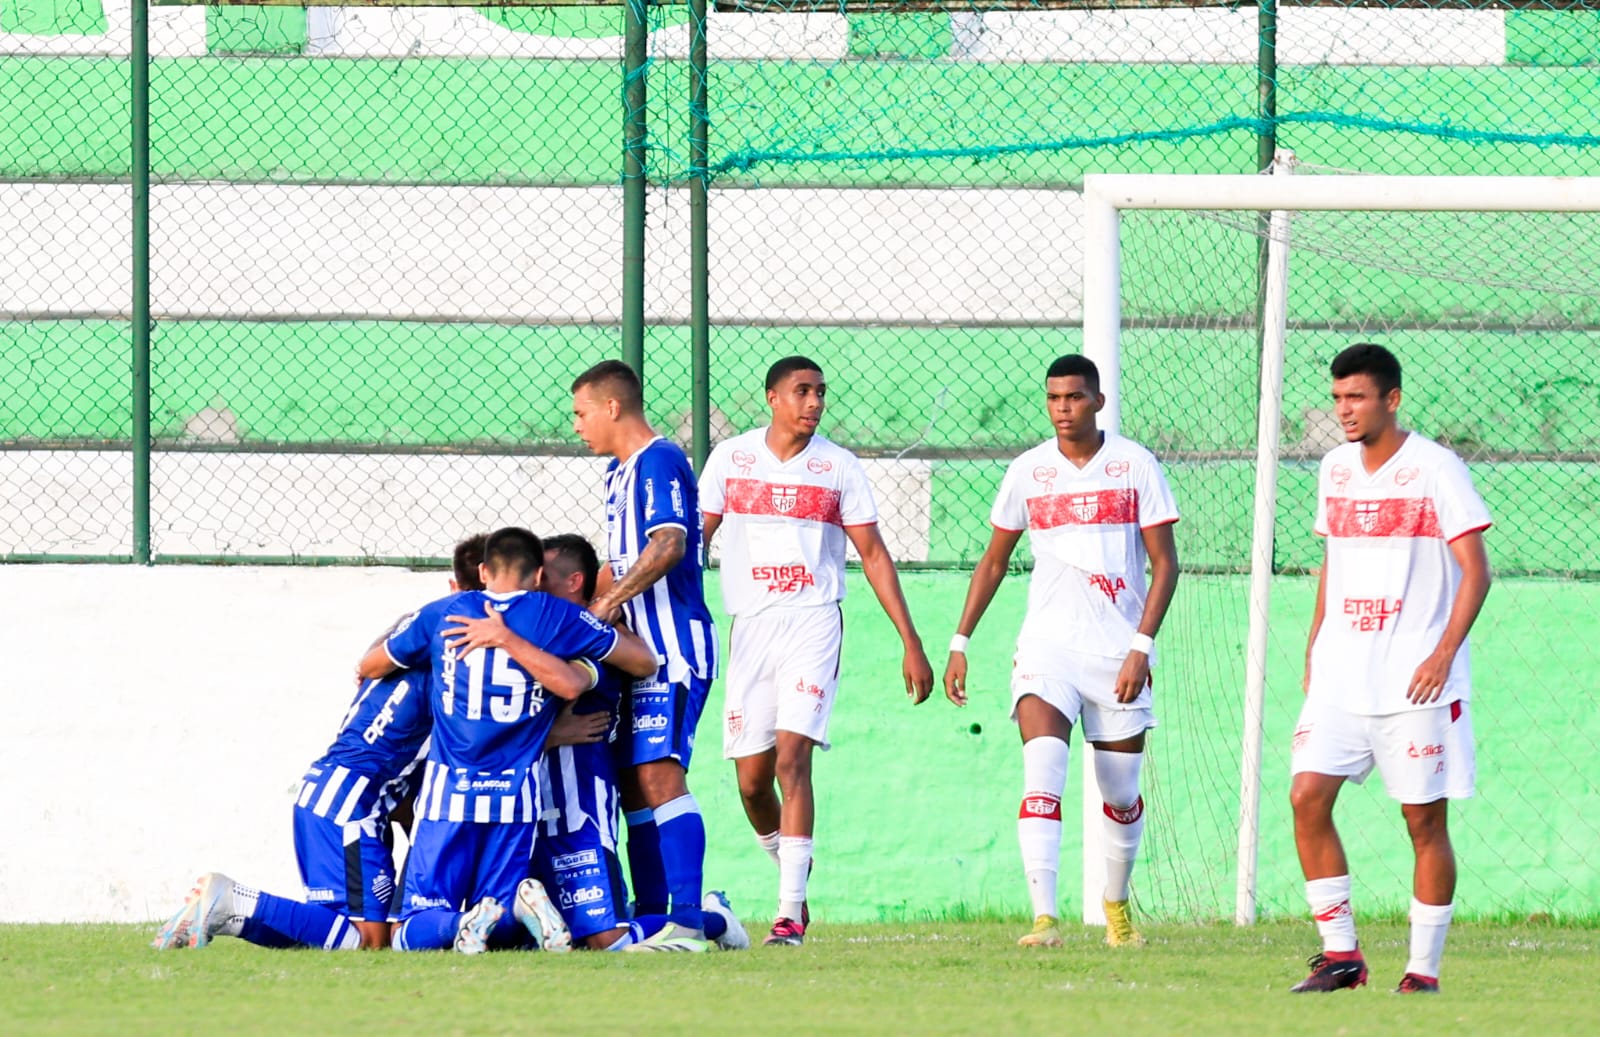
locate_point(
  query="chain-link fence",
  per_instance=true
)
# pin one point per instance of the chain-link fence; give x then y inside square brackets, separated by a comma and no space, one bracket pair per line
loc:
[383,240]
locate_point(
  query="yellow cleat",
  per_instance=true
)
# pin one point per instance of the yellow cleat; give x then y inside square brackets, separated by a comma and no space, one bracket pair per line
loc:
[1044,934]
[1119,926]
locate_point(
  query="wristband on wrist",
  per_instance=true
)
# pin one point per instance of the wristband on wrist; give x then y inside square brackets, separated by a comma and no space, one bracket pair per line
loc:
[959,644]
[1142,643]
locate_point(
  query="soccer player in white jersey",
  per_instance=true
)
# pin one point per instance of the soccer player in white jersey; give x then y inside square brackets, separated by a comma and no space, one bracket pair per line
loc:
[1097,509]
[653,582]
[788,500]
[1387,678]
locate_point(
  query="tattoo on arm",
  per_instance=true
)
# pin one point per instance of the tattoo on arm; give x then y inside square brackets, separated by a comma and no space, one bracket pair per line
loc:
[664,550]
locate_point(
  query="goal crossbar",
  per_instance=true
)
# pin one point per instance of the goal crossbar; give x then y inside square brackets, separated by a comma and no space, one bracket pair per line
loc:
[1104,198]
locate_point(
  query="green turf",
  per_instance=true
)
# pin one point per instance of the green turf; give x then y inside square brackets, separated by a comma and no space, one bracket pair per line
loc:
[943,977]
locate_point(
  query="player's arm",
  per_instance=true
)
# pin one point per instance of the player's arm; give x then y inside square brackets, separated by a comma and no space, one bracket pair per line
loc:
[1317,613]
[1428,682]
[376,663]
[986,577]
[661,552]
[1162,550]
[710,523]
[577,728]
[559,677]
[879,570]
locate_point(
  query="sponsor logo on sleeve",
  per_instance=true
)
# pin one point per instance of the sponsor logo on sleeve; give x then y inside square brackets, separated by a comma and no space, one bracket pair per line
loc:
[591,619]
[677,497]
[649,499]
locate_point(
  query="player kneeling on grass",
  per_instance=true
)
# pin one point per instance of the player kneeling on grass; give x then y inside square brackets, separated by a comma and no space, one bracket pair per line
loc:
[1096,507]
[341,825]
[1387,678]
[477,810]
[787,501]
[575,856]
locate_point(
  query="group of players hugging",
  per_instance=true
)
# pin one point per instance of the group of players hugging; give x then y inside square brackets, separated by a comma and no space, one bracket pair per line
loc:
[513,798]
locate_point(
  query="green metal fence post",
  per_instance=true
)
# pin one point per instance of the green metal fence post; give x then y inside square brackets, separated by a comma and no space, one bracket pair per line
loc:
[139,68]
[699,238]
[635,55]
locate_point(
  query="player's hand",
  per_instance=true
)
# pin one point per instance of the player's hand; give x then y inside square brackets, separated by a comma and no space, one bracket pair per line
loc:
[572,728]
[490,631]
[955,678]
[1427,684]
[603,610]
[1133,676]
[918,673]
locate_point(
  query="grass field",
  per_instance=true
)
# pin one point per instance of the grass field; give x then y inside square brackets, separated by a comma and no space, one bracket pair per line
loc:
[938,977]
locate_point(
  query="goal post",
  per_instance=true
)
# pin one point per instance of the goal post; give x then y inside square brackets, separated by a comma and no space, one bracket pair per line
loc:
[1105,198]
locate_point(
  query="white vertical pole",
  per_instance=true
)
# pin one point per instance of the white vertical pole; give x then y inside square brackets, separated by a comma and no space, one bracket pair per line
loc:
[1268,425]
[1102,343]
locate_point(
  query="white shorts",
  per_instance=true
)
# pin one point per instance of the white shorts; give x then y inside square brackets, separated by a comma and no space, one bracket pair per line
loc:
[1079,686]
[1423,755]
[783,674]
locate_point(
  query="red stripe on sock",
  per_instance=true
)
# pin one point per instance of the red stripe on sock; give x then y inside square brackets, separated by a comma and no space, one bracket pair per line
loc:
[1041,807]
[1127,816]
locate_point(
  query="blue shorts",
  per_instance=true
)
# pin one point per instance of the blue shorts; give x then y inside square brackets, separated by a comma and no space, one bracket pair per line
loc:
[658,721]
[576,853]
[346,867]
[454,864]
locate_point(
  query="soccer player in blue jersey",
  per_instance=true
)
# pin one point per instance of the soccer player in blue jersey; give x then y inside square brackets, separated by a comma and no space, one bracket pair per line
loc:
[477,808]
[653,582]
[576,854]
[341,824]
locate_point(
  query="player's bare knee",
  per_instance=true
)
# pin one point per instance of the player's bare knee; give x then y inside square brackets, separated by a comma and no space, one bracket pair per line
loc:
[1427,823]
[1310,801]
[375,936]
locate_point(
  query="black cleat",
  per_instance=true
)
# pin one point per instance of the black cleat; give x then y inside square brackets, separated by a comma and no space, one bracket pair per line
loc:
[1333,970]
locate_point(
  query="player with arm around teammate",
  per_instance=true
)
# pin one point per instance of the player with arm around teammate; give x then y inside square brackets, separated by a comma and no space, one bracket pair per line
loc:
[787,500]
[342,835]
[1387,677]
[477,807]
[1096,508]
[653,582]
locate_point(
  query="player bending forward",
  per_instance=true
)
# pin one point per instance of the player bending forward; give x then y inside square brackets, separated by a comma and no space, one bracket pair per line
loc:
[787,500]
[1096,507]
[1387,677]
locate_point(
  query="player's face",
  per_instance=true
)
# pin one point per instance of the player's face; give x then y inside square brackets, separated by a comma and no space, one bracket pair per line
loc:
[592,419]
[797,402]
[568,586]
[1363,413]
[1072,405]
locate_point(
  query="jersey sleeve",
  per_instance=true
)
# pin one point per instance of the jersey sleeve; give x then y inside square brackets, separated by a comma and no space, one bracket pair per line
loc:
[577,632]
[857,505]
[1157,506]
[666,493]
[712,499]
[408,645]
[1010,511]
[1461,510]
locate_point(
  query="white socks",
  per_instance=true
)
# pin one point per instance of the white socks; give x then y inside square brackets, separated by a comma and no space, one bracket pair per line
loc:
[769,843]
[1044,775]
[794,865]
[1330,906]
[1117,774]
[1429,924]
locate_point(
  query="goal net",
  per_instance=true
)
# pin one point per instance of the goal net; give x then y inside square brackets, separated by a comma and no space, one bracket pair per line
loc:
[1496,319]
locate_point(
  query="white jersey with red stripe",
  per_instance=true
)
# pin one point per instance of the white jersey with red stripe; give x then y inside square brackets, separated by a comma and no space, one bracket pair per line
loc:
[783,522]
[1085,528]
[1390,578]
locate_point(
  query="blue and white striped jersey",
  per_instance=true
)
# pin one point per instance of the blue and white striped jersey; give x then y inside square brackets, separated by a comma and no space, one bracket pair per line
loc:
[490,718]
[653,489]
[372,763]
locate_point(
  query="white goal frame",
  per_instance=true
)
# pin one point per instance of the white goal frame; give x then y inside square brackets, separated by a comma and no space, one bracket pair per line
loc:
[1105,196]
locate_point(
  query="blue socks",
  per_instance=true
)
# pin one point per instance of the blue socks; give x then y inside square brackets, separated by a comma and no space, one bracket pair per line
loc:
[281,922]
[683,856]
[645,871]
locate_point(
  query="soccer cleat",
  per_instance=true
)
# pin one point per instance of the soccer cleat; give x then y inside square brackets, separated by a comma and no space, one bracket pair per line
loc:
[476,924]
[540,916]
[672,937]
[206,909]
[786,932]
[1412,983]
[1333,970]
[1119,925]
[1044,934]
[734,938]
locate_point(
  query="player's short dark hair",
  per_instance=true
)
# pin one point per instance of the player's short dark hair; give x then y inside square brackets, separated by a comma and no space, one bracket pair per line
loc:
[1075,364]
[614,380]
[577,555]
[1370,359]
[788,366]
[465,560]
[514,549]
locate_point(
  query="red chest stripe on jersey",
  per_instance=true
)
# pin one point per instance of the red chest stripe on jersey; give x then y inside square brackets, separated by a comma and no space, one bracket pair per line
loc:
[785,500]
[1090,508]
[1391,517]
